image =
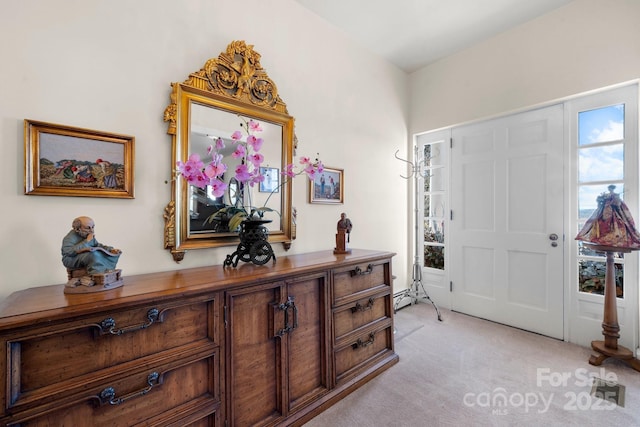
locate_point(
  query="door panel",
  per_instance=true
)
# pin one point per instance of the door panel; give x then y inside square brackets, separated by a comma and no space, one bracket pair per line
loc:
[507,199]
[308,357]
[256,366]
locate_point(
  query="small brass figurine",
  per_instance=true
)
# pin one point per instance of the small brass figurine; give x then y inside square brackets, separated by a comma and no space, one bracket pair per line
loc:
[343,235]
[91,265]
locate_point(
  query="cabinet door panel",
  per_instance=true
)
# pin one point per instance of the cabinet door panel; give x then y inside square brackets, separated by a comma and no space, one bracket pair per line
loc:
[254,355]
[307,343]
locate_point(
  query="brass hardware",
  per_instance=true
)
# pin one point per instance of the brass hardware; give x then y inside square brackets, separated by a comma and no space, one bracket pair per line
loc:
[108,325]
[359,344]
[108,395]
[359,272]
[359,307]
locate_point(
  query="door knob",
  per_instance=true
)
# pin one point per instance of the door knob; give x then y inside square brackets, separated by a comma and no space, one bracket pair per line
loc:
[553,236]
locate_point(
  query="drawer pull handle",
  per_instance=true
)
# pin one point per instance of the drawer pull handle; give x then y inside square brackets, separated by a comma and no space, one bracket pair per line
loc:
[360,272]
[290,304]
[359,307]
[359,344]
[108,325]
[108,395]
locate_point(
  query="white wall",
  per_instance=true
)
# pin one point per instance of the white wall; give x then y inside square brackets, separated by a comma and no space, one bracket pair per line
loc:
[585,45]
[108,64]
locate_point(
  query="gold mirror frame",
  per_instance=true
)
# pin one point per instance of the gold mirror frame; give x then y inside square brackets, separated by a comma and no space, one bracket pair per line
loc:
[234,82]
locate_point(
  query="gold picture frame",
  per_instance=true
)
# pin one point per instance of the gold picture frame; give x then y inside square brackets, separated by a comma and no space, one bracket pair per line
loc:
[327,187]
[70,161]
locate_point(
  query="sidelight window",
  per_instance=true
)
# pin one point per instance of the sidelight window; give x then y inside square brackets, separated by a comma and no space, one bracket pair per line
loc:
[600,153]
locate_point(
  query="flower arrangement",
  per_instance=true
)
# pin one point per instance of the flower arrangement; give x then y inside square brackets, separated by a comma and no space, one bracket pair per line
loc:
[200,174]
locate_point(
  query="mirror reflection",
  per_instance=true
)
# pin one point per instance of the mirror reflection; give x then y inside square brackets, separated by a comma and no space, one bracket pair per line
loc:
[207,125]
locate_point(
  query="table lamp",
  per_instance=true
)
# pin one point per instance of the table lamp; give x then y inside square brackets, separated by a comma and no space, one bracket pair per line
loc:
[610,229]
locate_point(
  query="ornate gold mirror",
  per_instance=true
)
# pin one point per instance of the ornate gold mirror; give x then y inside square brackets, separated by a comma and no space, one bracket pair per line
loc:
[212,103]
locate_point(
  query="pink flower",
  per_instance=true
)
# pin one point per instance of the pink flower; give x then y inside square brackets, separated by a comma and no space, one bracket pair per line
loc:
[288,171]
[198,179]
[218,187]
[254,126]
[311,171]
[215,170]
[256,159]
[255,143]
[256,179]
[242,173]
[236,136]
[240,152]
[192,166]
[219,144]
[305,160]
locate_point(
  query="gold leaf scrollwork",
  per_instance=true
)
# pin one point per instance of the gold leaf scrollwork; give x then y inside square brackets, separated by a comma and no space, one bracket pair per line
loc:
[237,73]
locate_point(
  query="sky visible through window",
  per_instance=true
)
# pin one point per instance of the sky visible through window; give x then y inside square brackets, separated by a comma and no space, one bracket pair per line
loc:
[598,162]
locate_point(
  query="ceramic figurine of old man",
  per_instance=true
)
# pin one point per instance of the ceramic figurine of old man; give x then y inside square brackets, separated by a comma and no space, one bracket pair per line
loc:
[81,251]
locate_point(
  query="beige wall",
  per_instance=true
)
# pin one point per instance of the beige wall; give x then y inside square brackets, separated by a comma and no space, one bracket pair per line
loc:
[107,65]
[583,46]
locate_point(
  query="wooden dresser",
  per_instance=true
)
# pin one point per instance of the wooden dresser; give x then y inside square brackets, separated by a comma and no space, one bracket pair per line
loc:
[211,346]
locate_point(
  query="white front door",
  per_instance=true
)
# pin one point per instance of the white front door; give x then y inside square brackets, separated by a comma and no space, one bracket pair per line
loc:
[507,220]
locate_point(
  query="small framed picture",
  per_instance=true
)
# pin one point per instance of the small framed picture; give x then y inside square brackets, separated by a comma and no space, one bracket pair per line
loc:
[271,183]
[327,187]
[68,161]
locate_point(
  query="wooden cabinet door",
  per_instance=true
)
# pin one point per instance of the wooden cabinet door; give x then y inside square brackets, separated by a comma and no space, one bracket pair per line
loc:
[277,349]
[307,342]
[254,355]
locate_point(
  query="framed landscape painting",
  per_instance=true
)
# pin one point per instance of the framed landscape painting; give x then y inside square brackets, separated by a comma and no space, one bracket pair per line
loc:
[327,187]
[68,161]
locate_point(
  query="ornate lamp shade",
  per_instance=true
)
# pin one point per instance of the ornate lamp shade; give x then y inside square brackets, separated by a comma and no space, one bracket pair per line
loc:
[611,224]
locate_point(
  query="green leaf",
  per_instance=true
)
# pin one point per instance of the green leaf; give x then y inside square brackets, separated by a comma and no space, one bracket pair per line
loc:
[236,220]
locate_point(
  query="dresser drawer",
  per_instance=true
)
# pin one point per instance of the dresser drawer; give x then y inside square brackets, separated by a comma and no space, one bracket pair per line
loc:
[358,278]
[350,317]
[40,359]
[174,393]
[363,348]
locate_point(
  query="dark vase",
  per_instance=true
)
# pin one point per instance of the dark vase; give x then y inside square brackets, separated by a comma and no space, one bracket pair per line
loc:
[253,246]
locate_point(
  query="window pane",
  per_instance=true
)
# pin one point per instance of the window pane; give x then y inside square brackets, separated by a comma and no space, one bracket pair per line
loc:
[601,125]
[588,195]
[587,250]
[601,163]
[434,206]
[434,257]
[434,179]
[591,277]
[432,154]
[434,231]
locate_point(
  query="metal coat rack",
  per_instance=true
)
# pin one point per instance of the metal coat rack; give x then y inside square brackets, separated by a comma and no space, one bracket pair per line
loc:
[417,291]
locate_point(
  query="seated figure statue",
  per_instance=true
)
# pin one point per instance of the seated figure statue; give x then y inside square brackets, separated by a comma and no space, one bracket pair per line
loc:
[81,250]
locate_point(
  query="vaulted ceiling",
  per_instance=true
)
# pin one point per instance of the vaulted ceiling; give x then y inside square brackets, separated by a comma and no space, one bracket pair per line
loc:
[415,33]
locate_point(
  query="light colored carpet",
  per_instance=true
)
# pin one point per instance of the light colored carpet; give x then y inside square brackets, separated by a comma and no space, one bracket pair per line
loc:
[465,371]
